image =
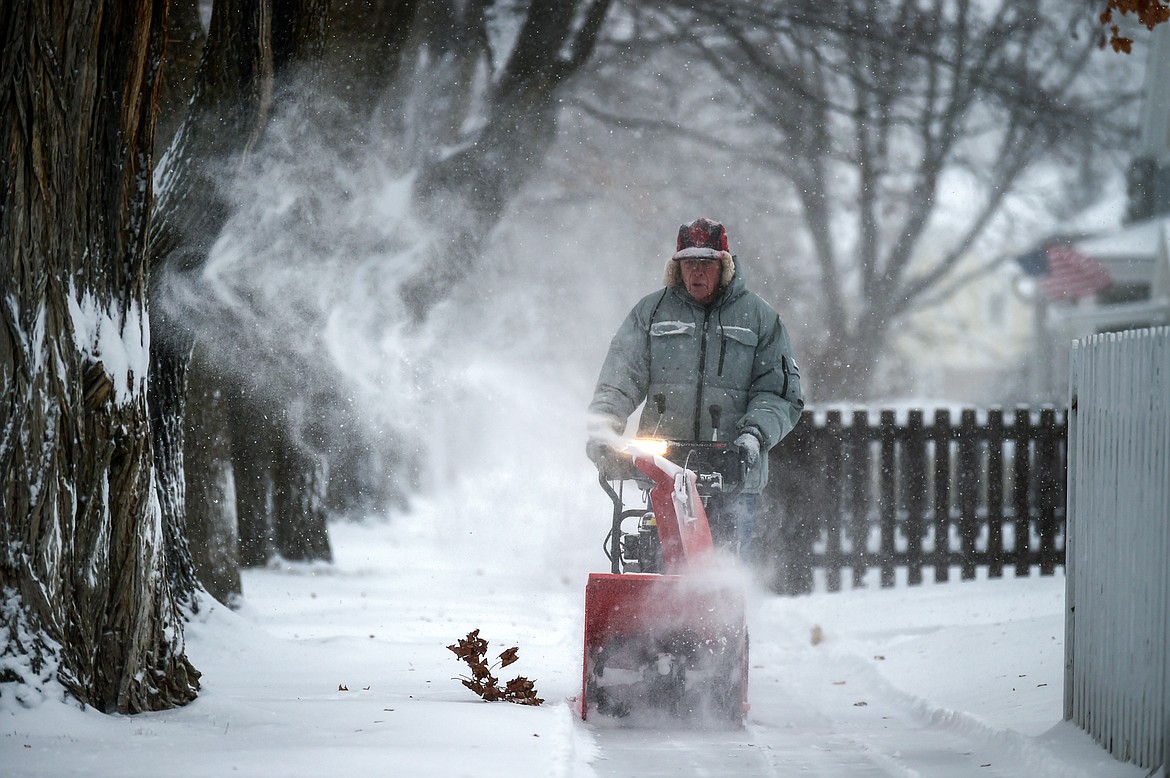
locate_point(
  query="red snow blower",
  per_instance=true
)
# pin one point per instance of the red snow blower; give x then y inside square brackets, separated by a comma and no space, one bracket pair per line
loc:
[665,629]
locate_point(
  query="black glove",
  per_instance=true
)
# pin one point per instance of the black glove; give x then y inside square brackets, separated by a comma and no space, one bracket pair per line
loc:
[748,443]
[599,452]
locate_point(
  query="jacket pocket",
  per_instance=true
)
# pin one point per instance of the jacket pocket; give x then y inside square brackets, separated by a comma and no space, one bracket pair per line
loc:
[673,353]
[661,328]
[739,337]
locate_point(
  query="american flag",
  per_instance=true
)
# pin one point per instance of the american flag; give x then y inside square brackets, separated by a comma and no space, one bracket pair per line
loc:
[1064,273]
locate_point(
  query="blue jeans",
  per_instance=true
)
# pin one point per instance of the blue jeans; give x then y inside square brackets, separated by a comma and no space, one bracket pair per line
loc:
[733,520]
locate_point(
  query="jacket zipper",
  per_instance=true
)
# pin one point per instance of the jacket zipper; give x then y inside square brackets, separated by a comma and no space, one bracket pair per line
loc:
[784,367]
[722,349]
[702,369]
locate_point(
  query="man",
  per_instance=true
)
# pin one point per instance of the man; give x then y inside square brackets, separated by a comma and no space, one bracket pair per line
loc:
[716,361]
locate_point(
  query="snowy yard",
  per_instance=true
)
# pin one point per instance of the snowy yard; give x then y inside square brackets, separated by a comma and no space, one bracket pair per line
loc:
[343,669]
[421,271]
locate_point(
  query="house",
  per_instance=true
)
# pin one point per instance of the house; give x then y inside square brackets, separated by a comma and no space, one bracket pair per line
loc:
[1135,256]
[969,347]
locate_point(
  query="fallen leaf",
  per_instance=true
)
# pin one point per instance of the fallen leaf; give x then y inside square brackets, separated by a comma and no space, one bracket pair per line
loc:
[472,650]
[509,656]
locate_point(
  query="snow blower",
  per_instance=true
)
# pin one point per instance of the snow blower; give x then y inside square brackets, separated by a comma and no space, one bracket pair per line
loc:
[665,629]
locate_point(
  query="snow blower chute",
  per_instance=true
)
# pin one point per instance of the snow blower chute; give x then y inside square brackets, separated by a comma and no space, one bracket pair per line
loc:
[665,629]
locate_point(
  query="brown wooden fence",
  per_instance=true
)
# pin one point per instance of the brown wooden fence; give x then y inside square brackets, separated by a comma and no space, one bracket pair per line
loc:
[857,490]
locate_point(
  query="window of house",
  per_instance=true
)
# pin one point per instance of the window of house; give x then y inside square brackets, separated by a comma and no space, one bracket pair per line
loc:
[1123,293]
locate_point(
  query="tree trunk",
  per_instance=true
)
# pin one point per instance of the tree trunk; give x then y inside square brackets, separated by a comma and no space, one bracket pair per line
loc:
[169,357]
[366,40]
[211,485]
[301,532]
[467,191]
[184,46]
[281,484]
[233,94]
[82,560]
[254,454]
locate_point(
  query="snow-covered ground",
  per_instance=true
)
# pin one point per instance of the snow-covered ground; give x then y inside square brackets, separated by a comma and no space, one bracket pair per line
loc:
[342,669]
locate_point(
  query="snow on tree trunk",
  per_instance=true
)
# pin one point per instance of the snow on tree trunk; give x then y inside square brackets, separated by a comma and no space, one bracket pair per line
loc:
[86,598]
[210,487]
[169,359]
[234,96]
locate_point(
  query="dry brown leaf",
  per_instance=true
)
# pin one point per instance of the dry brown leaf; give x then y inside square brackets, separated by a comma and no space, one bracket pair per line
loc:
[509,656]
[471,650]
[1150,13]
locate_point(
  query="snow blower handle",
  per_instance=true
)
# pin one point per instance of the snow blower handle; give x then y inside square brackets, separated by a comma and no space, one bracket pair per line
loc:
[614,538]
[613,465]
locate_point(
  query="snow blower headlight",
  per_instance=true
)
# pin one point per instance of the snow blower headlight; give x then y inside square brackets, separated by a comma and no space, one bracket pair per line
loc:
[649,446]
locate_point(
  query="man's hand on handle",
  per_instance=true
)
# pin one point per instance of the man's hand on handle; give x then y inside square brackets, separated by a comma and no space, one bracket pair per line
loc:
[599,452]
[610,462]
[748,443]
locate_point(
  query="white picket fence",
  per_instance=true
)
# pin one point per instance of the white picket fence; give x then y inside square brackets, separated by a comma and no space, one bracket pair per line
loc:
[1117,642]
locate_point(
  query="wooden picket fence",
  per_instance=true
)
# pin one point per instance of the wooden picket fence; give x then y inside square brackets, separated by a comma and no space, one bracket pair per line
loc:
[854,491]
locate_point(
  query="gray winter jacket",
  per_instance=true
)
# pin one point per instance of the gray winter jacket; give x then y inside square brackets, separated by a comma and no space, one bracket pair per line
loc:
[734,354]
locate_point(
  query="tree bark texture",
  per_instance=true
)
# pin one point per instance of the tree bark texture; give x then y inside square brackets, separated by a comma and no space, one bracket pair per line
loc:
[234,94]
[210,484]
[302,533]
[281,484]
[365,45]
[169,358]
[82,560]
[184,46]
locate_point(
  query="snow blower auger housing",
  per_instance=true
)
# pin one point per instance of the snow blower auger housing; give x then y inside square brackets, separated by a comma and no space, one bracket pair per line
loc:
[665,629]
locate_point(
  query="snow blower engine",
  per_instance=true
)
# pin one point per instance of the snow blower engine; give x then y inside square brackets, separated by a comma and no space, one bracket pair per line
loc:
[665,629]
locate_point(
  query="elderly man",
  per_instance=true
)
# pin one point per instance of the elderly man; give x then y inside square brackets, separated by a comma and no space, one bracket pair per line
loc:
[718,364]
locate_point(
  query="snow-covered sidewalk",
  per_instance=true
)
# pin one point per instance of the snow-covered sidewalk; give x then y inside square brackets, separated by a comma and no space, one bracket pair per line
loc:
[343,668]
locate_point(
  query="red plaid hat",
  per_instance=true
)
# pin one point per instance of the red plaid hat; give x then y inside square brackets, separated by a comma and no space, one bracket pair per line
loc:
[701,239]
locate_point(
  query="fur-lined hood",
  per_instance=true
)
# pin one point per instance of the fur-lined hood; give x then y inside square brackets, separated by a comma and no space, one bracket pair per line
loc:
[672,276]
